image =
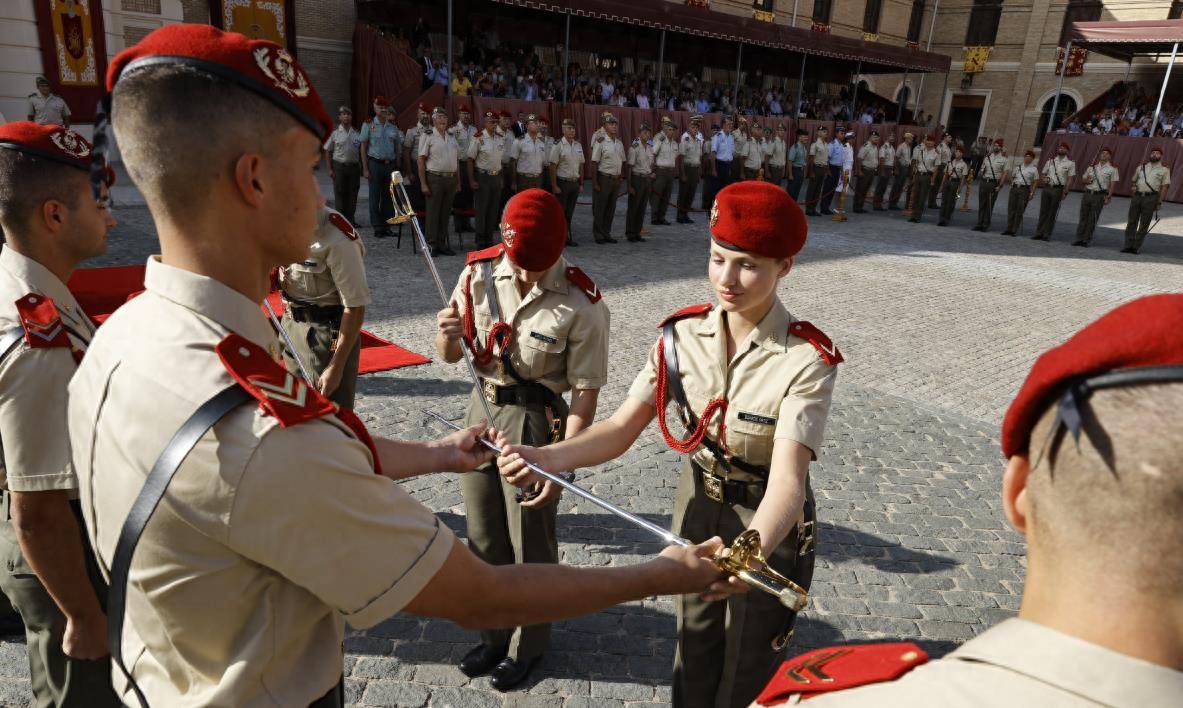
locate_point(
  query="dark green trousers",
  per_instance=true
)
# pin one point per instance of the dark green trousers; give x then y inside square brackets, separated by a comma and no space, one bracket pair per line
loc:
[488,207]
[661,193]
[686,190]
[314,345]
[987,195]
[949,199]
[932,193]
[568,197]
[439,208]
[1091,204]
[1049,207]
[1016,205]
[815,187]
[604,205]
[776,175]
[898,184]
[920,191]
[638,198]
[862,185]
[881,188]
[1142,208]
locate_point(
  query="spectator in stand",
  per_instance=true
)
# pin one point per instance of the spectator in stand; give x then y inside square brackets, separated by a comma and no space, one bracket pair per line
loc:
[607,89]
[642,98]
[461,83]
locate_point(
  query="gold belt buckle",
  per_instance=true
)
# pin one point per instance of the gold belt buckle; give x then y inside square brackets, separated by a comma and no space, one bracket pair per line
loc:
[489,390]
[713,486]
[807,537]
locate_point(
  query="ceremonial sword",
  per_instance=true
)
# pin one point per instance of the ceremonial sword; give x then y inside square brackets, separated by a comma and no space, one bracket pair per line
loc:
[287,340]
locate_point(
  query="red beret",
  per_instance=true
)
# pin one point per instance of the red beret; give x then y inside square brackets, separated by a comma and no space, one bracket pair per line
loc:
[534,229]
[464,108]
[490,114]
[759,218]
[423,108]
[998,142]
[257,65]
[52,142]
[506,114]
[1066,146]
[381,102]
[1029,153]
[1145,332]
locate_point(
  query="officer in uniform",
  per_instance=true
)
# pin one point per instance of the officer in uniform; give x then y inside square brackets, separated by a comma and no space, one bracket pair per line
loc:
[410,158]
[51,221]
[381,141]
[1100,179]
[567,159]
[439,164]
[1151,180]
[753,156]
[509,138]
[926,158]
[665,162]
[607,161]
[869,163]
[325,297]
[528,159]
[690,154]
[46,108]
[284,520]
[1057,175]
[639,178]
[956,173]
[740,136]
[537,328]
[484,155]
[723,155]
[775,155]
[343,158]
[884,173]
[992,171]
[1023,179]
[708,168]
[819,163]
[1093,480]
[463,132]
[771,396]
[903,170]
[944,156]
[796,160]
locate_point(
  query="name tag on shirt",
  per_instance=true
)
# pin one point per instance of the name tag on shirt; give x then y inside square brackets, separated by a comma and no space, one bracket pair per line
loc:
[755,418]
[543,338]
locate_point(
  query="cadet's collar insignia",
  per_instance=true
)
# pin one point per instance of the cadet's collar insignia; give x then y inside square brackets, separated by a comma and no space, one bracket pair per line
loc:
[343,225]
[70,143]
[839,668]
[826,348]
[41,322]
[583,281]
[286,397]
[714,214]
[508,234]
[277,65]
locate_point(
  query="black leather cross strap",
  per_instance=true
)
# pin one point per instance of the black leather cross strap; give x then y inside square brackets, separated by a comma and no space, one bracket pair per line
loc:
[147,500]
[9,340]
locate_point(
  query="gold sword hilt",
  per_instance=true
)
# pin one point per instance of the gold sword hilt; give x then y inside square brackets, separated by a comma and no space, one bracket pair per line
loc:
[745,559]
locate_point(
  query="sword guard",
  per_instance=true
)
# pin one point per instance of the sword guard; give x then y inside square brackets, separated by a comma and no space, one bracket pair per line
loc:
[745,559]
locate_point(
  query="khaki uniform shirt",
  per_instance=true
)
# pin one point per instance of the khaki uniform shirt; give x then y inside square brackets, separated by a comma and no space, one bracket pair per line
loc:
[945,152]
[33,433]
[1151,178]
[464,135]
[665,151]
[47,110]
[886,155]
[487,150]
[691,149]
[344,144]
[560,337]
[1024,175]
[819,152]
[777,386]
[926,160]
[957,169]
[530,154]
[740,141]
[508,139]
[774,150]
[568,159]
[904,154]
[1101,175]
[270,538]
[441,151]
[993,167]
[868,157]
[1057,171]
[609,155]
[414,137]
[333,273]
[640,158]
[1021,663]
[753,154]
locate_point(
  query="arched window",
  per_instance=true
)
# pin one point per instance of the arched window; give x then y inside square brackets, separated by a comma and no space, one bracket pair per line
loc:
[1066,107]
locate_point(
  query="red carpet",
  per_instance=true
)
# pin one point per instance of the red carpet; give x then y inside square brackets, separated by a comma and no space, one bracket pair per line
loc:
[101,290]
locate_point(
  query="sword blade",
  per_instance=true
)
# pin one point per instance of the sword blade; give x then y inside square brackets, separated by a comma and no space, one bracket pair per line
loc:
[283,333]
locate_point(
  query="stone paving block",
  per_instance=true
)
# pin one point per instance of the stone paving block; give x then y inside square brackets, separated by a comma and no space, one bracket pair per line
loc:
[452,697]
[395,693]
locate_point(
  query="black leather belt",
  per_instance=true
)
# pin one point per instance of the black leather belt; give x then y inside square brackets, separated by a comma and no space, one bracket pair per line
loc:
[1144,194]
[314,313]
[729,491]
[527,394]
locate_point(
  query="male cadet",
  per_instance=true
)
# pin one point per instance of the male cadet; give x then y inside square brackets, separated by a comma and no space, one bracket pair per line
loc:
[343,159]
[51,222]
[1023,179]
[410,156]
[819,169]
[775,155]
[926,158]
[567,159]
[439,173]
[944,156]
[740,137]
[1094,480]
[665,162]
[381,143]
[723,154]
[903,170]
[689,168]
[325,297]
[46,108]
[554,340]
[884,173]
[869,163]
[955,174]
[485,151]
[707,169]
[639,179]
[463,132]
[508,137]
[1057,174]
[282,521]
[607,160]
[835,160]
[796,160]
[1100,179]
[991,172]
[1151,180]
[528,159]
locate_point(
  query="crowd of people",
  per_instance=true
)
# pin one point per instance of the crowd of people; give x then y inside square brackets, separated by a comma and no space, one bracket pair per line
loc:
[1129,110]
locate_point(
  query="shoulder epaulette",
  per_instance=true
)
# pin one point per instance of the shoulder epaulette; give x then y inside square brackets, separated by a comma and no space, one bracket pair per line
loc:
[636,142]
[343,225]
[583,281]
[828,351]
[41,322]
[692,311]
[599,138]
[839,668]
[487,254]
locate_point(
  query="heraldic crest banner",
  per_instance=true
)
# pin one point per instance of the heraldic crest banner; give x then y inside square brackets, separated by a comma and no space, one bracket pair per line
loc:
[274,20]
[73,52]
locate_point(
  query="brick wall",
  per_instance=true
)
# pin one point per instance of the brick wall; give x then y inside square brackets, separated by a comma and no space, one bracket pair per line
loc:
[131,35]
[196,10]
[148,6]
[325,19]
[329,72]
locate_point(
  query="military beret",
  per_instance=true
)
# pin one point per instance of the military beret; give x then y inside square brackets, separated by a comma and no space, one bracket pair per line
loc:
[381,101]
[531,117]
[822,129]
[345,109]
[490,115]
[464,108]
[1106,148]
[1065,146]
[423,108]
[569,121]
[1156,149]
[781,126]
[605,116]
[52,142]
[758,217]
[999,142]
[743,119]
[908,134]
[257,65]
[874,133]
[506,114]
[609,118]
[930,138]
[534,229]
[767,129]
[1147,332]
[543,121]
[1029,153]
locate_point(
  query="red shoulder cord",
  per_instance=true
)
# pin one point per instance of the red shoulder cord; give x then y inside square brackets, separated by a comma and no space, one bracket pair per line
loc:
[499,335]
[718,405]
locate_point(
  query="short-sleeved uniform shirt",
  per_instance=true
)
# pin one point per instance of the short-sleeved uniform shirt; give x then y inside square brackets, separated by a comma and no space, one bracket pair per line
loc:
[957,169]
[993,167]
[508,139]
[886,155]
[343,144]
[567,157]
[334,273]
[1151,178]
[754,154]
[690,148]
[819,153]
[640,157]
[486,150]
[1103,175]
[777,386]
[926,160]
[608,154]
[1058,170]
[441,151]
[414,136]
[665,151]
[269,539]
[48,110]
[560,337]
[33,434]
[946,153]
[383,140]
[868,156]
[530,154]
[1024,175]
[774,150]
[903,154]
[463,134]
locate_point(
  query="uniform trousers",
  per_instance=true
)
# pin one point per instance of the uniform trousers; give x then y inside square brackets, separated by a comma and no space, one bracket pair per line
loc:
[881,183]
[1049,206]
[1015,206]
[604,205]
[500,530]
[660,194]
[897,186]
[488,206]
[506,187]
[795,183]
[1142,207]
[820,175]
[569,197]
[987,195]
[381,207]
[638,196]
[920,188]
[55,679]
[525,182]
[346,183]
[932,193]
[949,199]
[833,177]
[439,207]
[687,186]
[313,337]
[1091,204]
[462,207]
[862,185]
[725,651]
[776,175]
[716,182]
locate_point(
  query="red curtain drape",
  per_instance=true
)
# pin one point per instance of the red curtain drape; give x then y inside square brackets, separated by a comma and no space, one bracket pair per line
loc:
[381,69]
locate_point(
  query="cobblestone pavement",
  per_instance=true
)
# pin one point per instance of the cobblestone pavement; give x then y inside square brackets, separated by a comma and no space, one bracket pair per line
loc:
[938,327]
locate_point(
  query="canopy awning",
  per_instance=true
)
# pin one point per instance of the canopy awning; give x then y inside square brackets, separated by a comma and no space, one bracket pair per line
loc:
[1126,40]
[876,57]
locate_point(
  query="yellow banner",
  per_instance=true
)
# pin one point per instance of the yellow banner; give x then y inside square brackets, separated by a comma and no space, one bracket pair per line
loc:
[975,59]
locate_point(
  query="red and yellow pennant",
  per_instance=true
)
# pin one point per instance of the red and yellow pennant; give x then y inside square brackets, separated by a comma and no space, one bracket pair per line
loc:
[975,59]
[820,27]
[1075,61]
[706,4]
